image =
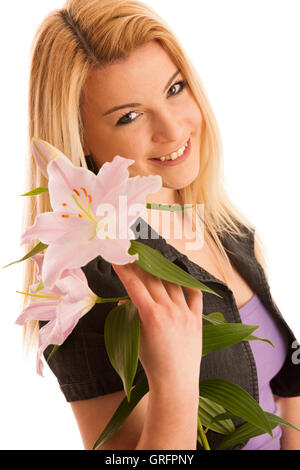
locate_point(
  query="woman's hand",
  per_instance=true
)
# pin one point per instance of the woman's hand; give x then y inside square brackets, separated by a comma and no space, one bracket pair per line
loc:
[171,329]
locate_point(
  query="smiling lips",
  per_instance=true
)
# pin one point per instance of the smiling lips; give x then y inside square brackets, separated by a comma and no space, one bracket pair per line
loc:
[181,157]
[173,155]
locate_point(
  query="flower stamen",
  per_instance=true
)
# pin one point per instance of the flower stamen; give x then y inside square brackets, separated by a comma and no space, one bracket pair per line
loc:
[88,214]
[48,296]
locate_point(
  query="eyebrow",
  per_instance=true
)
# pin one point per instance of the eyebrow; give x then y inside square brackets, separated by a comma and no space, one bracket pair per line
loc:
[132,105]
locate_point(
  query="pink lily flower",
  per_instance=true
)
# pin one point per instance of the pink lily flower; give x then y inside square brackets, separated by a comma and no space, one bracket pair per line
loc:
[62,306]
[74,230]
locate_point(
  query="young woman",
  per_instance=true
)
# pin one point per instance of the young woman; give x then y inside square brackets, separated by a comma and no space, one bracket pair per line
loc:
[108,77]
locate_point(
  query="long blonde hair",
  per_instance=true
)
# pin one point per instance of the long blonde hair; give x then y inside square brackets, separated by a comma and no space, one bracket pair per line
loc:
[68,44]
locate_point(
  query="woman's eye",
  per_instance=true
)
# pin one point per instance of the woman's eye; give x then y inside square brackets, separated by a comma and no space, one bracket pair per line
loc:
[181,84]
[125,119]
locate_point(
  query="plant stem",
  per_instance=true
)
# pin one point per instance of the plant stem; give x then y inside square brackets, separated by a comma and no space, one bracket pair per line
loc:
[203,436]
[102,300]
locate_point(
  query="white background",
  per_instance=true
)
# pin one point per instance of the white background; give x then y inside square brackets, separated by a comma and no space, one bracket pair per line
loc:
[247,55]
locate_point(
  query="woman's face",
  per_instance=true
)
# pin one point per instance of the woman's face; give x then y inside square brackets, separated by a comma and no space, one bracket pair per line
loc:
[140,109]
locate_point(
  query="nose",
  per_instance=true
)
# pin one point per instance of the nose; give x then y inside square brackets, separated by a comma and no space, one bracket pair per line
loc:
[167,127]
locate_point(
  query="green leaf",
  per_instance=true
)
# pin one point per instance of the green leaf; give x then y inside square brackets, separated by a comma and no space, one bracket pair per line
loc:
[122,413]
[223,416]
[248,430]
[122,340]
[35,192]
[221,336]
[155,263]
[215,318]
[166,207]
[274,419]
[55,348]
[240,435]
[235,399]
[256,338]
[208,410]
[37,249]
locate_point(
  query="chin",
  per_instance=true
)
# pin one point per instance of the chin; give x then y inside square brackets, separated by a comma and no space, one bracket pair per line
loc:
[178,187]
[189,179]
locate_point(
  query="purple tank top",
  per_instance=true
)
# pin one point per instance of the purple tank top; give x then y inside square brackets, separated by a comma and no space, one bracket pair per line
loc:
[268,362]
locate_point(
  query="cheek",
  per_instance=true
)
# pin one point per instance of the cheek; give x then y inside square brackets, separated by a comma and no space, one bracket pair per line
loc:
[193,112]
[196,115]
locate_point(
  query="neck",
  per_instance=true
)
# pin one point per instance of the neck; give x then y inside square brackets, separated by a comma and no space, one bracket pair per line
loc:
[164,196]
[158,219]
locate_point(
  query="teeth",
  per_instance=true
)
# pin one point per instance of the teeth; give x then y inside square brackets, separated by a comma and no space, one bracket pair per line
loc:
[174,155]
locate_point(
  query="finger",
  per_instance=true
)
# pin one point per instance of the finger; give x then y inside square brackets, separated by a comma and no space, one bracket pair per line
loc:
[195,300]
[121,302]
[135,288]
[153,284]
[156,288]
[175,292]
[162,291]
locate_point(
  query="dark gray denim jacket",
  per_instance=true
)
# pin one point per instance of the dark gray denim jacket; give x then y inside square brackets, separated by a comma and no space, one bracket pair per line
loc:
[81,364]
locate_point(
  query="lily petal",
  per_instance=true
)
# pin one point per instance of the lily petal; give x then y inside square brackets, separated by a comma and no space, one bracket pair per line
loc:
[51,227]
[116,251]
[75,288]
[136,190]
[61,257]
[112,176]
[38,311]
[77,273]
[56,332]
[43,153]
[71,299]
[39,261]
[64,177]
[69,313]
[48,334]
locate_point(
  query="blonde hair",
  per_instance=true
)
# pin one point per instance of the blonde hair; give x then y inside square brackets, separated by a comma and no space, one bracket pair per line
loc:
[68,44]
